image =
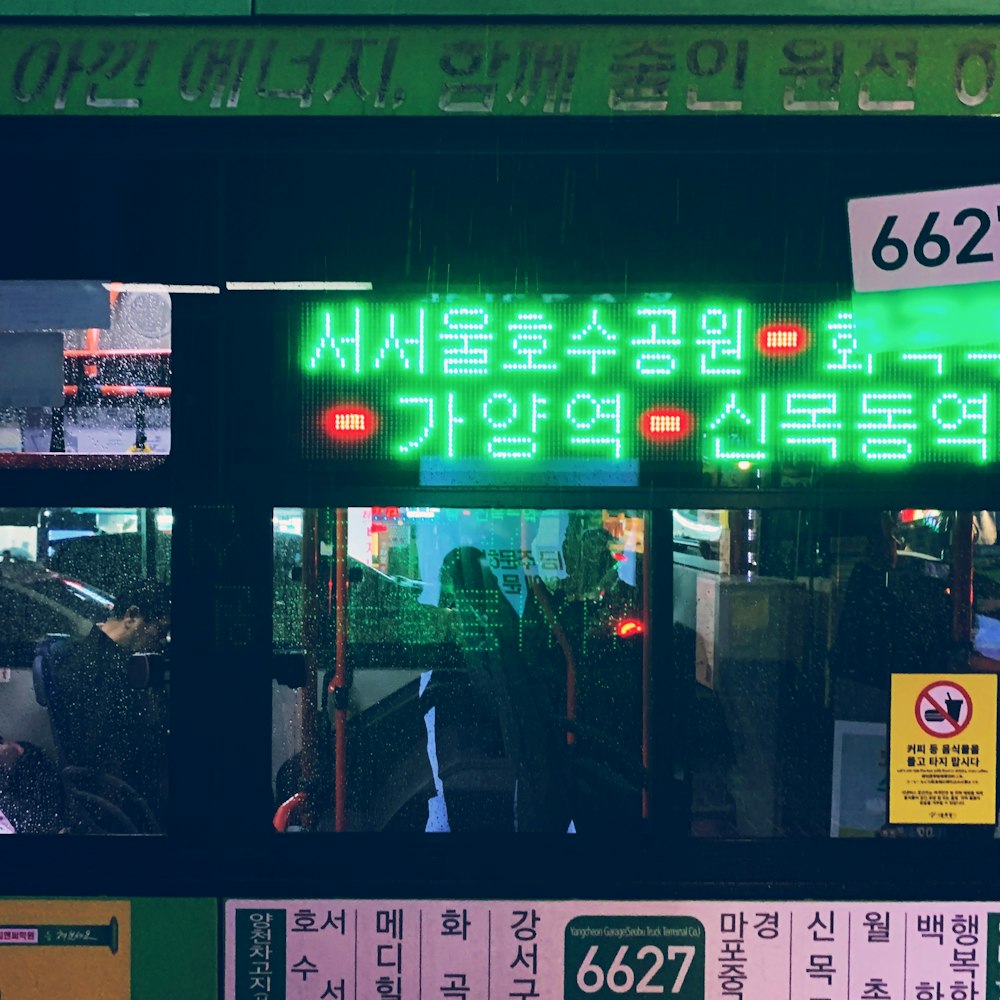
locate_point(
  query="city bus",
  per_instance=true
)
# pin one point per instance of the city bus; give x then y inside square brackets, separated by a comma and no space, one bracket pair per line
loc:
[549,509]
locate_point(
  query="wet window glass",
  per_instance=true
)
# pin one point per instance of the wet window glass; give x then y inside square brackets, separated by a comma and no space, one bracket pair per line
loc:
[88,374]
[802,634]
[84,669]
[448,670]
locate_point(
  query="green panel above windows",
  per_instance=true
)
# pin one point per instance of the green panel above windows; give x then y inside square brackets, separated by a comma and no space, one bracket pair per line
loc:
[499,8]
[126,8]
[634,8]
[525,69]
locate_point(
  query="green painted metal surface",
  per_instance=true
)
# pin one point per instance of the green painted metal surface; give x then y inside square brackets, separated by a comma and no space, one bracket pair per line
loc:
[634,8]
[174,949]
[125,8]
[536,69]
[922,9]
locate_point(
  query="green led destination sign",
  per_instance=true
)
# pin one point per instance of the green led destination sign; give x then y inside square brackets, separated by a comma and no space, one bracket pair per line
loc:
[493,388]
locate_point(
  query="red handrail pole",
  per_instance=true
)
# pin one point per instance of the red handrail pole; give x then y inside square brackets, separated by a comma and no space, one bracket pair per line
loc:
[285,810]
[149,391]
[310,637]
[646,658]
[340,676]
[115,352]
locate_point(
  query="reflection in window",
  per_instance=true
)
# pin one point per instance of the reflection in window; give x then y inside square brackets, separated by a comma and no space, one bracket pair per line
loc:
[452,670]
[790,625]
[89,372]
[84,632]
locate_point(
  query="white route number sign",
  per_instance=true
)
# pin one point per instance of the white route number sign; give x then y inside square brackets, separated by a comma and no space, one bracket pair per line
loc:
[924,239]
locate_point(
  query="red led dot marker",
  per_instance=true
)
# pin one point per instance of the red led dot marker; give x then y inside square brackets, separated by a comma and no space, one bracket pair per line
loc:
[780,340]
[666,424]
[349,423]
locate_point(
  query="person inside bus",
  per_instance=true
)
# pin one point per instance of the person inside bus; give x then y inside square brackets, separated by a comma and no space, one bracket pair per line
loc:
[503,708]
[102,721]
[895,618]
[32,795]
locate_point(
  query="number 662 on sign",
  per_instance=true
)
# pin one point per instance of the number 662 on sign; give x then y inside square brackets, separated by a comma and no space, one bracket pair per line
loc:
[928,238]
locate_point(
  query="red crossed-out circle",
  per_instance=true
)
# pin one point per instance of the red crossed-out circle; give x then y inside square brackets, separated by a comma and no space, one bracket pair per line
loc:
[930,698]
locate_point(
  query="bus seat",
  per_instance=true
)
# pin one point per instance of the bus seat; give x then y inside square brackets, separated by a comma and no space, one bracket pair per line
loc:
[95,815]
[47,651]
[102,803]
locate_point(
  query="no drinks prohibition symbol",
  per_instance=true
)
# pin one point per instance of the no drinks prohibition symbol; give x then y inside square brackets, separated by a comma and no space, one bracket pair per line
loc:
[956,783]
[943,709]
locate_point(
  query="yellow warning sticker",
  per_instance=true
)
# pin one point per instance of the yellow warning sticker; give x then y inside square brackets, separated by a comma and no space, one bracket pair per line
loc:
[943,748]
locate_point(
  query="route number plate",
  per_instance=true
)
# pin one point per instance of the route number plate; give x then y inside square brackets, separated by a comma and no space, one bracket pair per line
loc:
[634,957]
[929,238]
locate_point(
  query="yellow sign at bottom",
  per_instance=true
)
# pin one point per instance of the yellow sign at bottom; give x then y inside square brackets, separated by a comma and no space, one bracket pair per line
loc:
[943,748]
[65,948]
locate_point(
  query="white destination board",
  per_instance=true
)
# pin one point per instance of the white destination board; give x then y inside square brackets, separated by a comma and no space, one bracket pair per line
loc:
[489,950]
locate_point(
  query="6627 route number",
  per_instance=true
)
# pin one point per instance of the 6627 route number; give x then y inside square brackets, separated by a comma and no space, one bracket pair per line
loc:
[925,239]
[931,248]
[623,977]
